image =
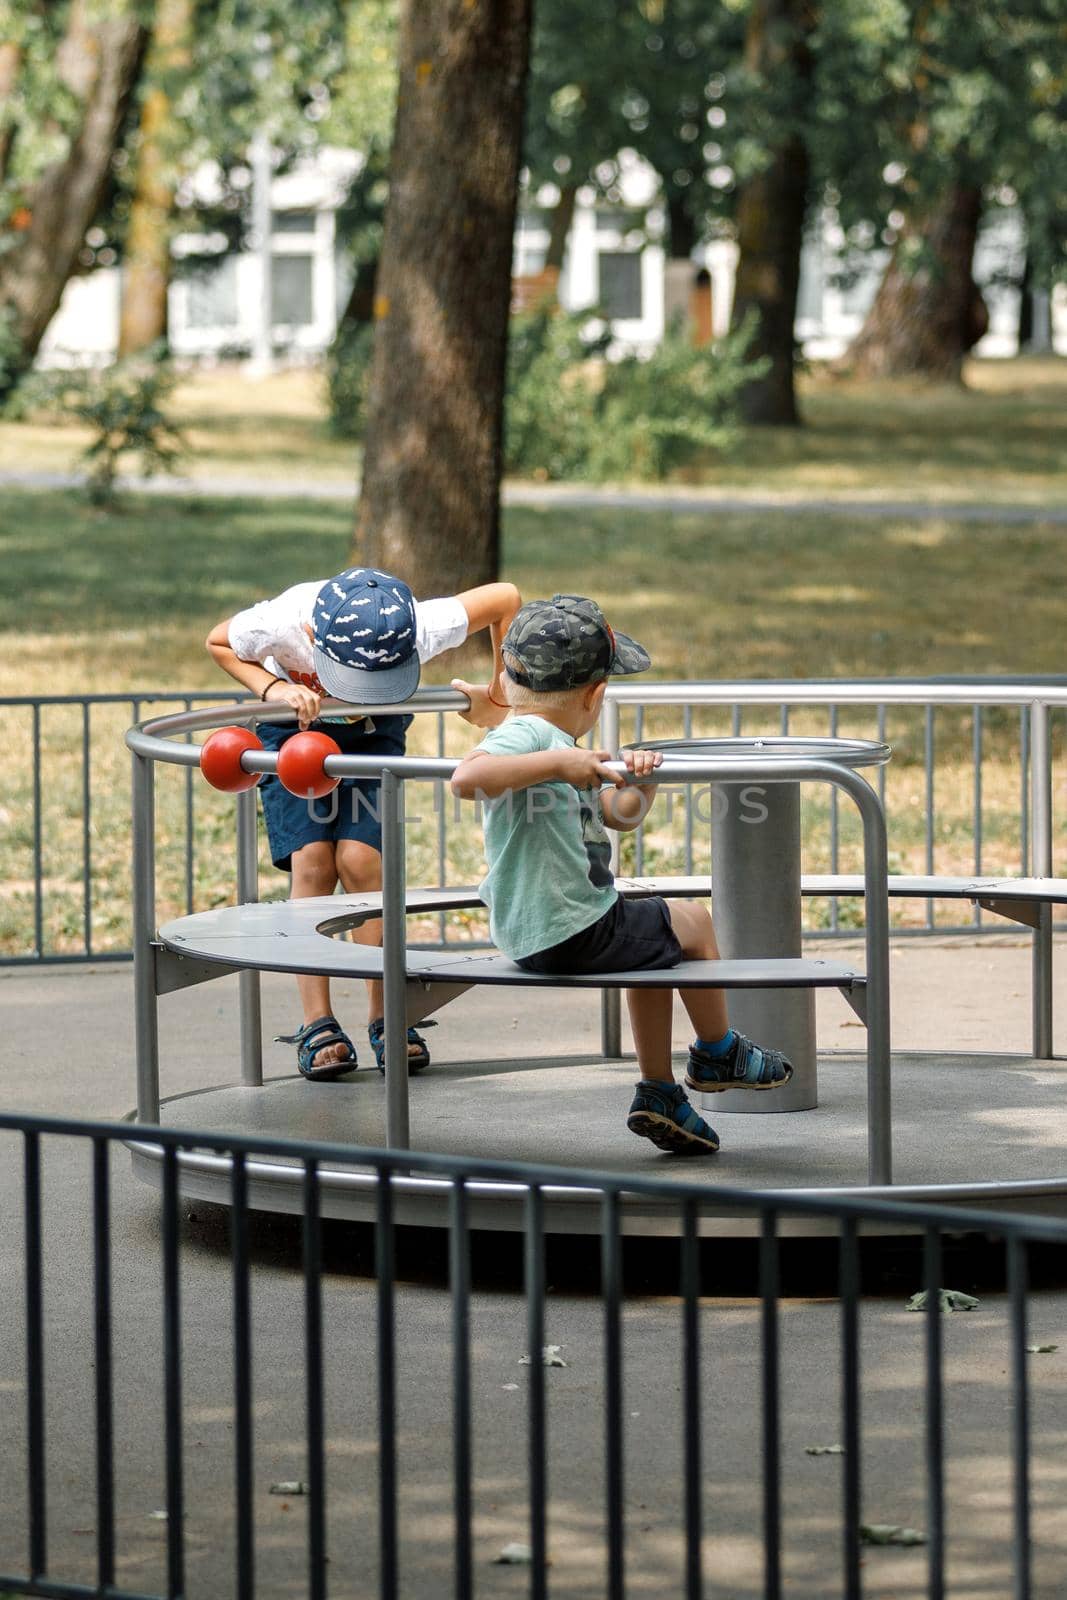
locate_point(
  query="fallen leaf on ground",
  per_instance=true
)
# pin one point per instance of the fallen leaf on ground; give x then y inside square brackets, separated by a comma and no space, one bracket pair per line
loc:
[1041,1349]
[551,1356]
[951,1300]
[514,1555]
[293,1487]
[824,1449]
[889,1533]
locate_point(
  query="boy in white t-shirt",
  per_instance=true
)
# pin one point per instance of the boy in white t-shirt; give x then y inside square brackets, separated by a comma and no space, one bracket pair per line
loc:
[360,637]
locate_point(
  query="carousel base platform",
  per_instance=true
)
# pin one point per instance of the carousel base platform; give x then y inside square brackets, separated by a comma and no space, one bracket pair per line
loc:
[968,1129]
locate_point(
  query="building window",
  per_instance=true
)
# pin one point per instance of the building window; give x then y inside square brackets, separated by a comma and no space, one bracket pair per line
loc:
[211,295]
[536,220]
[291,301]
[292,222]
[619,284]
[529,259]
[531,243]
[615,219]
[810,287]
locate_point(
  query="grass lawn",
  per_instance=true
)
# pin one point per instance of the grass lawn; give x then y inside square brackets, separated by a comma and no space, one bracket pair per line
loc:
[95,602]
[236,426]
[1001,438]
[103,601]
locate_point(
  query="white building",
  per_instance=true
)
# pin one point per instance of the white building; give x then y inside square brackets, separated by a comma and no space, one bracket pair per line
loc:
[614,259]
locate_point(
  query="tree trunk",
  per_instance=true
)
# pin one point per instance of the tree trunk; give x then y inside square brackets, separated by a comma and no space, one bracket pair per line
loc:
[1026,304]
[771,207]
[429,509]
[682,230]
[10,57]
[1035,322]
[146,267]
[562,217]
[360,304]
[99,63]
[926,317]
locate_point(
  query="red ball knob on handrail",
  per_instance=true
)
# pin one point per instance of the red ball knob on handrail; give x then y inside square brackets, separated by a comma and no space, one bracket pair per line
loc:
[300,764]
[220,759]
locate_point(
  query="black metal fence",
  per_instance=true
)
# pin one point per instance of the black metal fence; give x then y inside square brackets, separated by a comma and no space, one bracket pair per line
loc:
[608,1524]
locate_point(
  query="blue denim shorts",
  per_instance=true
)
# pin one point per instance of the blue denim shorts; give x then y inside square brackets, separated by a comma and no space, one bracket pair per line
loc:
[350,812]
[632,936]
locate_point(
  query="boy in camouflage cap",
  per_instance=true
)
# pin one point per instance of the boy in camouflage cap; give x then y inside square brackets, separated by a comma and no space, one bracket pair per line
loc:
[553,904]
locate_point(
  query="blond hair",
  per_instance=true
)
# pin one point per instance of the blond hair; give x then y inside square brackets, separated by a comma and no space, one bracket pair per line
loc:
[520,698]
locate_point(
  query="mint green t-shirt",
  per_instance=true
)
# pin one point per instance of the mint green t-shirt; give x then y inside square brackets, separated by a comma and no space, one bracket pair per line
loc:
[547,849]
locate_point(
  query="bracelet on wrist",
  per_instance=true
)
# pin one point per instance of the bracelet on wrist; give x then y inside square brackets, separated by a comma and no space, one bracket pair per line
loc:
[267,687]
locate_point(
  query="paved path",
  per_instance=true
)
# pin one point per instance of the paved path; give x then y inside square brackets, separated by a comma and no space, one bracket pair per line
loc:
[567,497]
[67,1046]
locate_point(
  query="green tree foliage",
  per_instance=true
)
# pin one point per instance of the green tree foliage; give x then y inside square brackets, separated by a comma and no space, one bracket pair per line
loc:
[38,112]
[913,98]
[648,76]
[958,105]
[266,69]
[55,160]
[255,67]
[364,93]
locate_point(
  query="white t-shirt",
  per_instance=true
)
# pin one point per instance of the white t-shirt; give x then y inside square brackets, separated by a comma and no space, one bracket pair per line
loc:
[272,632]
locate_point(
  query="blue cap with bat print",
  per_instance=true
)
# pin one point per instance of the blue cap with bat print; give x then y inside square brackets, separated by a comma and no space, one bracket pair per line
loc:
[365,638]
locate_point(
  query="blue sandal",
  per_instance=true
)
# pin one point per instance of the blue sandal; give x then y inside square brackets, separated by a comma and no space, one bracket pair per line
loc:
[376,1035]
[744,1066]
[316,1036]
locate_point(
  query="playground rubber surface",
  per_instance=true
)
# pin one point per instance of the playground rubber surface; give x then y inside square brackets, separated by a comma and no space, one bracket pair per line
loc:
[67,1048]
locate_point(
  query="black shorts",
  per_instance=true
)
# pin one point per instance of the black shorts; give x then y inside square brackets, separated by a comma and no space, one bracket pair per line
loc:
[632,936]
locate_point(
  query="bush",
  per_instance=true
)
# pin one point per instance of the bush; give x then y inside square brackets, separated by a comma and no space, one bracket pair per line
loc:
[348,377]
[122,406]
[681,403]
[571,413]
[10,370]
[550,414]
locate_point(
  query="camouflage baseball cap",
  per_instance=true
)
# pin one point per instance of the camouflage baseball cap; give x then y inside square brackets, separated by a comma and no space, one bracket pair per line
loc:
[565,643]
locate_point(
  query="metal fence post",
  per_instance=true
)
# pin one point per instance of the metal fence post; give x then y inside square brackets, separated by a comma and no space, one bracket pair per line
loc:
[146,1015]
[394,963]
[1041,866]
[248,983]
[611,999]
[38,871]
[876,899]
